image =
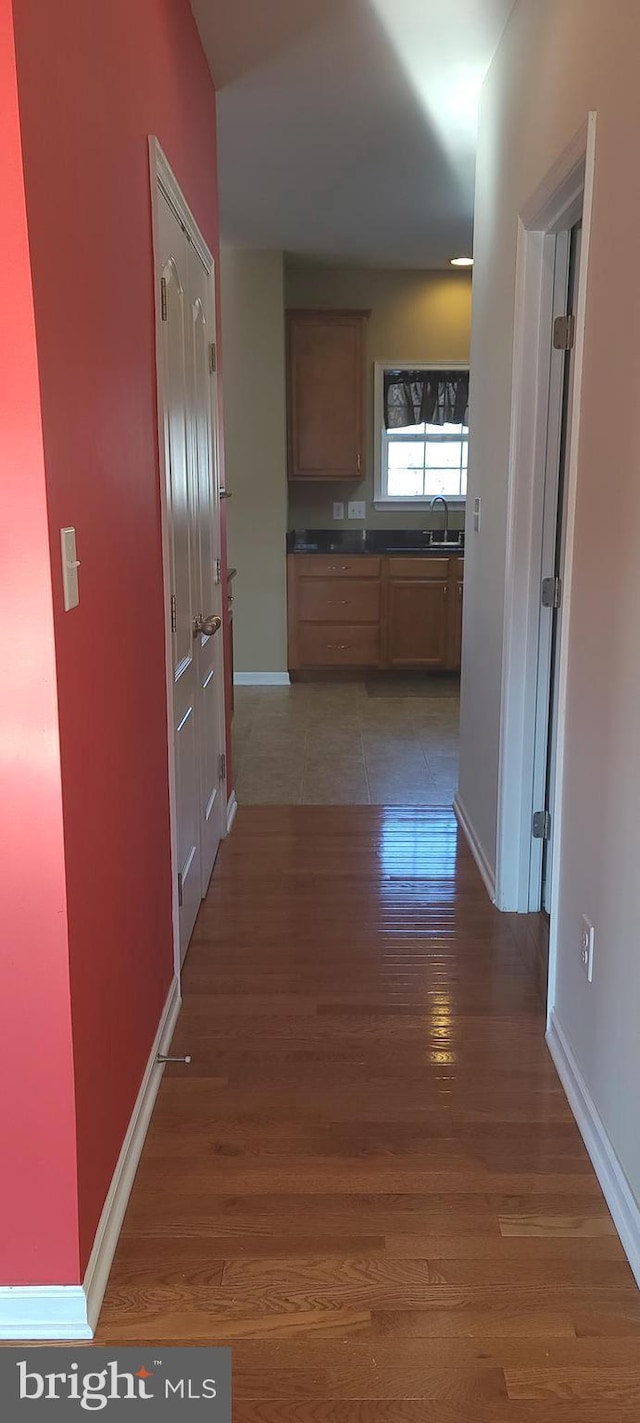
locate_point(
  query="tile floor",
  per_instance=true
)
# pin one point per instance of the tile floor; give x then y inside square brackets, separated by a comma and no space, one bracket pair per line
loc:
[331,743]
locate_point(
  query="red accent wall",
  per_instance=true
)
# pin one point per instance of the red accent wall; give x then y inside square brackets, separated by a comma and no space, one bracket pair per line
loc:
[95,79]
[38,1206]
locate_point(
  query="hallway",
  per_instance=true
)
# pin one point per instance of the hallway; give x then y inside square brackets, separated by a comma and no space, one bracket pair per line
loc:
[369,1181]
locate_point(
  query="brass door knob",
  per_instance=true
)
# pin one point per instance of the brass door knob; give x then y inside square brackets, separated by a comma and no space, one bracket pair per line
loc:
[206,626]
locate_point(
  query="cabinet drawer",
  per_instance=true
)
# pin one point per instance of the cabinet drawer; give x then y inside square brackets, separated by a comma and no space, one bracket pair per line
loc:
[339,600]
[335,565]
[428,568]
[324,645]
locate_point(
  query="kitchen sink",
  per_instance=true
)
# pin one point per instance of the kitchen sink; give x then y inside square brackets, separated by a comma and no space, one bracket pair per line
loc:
[441,546]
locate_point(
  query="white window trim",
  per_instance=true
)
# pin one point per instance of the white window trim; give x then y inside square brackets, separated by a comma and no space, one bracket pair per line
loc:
[390,501]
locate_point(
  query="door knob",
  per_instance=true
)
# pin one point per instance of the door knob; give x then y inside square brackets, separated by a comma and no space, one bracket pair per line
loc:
[207,626]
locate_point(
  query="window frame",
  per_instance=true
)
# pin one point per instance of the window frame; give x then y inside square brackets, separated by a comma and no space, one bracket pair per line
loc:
[382,500]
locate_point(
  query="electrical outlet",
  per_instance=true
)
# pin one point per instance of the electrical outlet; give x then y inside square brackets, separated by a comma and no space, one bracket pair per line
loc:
[587,945]
[357,509]
[338,509]
[477,514]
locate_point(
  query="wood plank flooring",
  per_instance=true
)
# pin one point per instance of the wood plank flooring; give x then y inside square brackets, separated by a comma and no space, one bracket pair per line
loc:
[369,1182]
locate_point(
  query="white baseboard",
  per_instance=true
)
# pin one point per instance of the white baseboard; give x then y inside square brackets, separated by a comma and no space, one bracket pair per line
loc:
[261,679]
[110,1222]
[71,1311]
[232,810]
[44,1312]
[615,1187]
[476,849]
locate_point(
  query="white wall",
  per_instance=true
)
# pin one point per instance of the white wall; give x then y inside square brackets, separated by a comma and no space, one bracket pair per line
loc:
[252,308]
[558,60]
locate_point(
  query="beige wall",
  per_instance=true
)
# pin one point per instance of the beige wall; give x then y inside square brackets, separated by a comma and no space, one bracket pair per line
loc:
[415,316]
[558,60]
[252,306]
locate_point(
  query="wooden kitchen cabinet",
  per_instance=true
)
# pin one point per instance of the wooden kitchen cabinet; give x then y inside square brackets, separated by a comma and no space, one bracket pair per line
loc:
[334,611]
[338,600]
[327,645]
[417,623]
[456,595]
[363,611]
[325,394]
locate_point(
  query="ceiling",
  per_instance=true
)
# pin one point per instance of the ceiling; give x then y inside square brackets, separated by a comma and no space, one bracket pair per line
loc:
[347,128]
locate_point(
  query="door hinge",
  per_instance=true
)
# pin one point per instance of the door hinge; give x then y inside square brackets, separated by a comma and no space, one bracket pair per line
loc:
[542,825]
[564,333]
[163,298]
[222,765]
[551,592]
[179,891]
[217,572]
[174,614]
[213,357]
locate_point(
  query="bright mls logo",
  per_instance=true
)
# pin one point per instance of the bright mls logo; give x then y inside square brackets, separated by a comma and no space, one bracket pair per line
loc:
[180,1383]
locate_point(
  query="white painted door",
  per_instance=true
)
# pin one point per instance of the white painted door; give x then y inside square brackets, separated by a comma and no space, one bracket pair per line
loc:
[192,539]
[209,643]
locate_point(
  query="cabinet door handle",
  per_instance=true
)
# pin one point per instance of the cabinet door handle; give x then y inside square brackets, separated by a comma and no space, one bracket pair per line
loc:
[339,568]
[339,602]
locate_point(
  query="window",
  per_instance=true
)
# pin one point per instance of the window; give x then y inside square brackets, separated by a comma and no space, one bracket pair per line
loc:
[422,433]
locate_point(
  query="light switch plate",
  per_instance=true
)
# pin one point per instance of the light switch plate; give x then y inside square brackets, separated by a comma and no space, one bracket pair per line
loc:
[357,509]
[338,509]
[70,566]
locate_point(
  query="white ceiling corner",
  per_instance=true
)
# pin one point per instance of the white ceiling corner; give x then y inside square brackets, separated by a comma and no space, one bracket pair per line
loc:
[346,128]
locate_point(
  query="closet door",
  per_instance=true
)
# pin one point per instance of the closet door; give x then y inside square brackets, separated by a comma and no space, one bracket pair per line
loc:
[203,450]
[193,538]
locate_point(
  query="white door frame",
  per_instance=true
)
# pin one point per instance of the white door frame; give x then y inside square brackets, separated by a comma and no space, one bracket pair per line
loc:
[550,514]
[163,180]
[566,190]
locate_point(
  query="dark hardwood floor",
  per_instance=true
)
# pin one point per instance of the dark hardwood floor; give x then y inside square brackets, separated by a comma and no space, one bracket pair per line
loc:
[369,1182]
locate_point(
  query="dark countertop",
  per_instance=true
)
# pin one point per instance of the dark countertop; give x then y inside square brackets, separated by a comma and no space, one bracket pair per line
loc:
[380,541]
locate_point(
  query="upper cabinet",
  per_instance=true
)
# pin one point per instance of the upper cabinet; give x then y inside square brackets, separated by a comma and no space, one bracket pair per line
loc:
[325,394]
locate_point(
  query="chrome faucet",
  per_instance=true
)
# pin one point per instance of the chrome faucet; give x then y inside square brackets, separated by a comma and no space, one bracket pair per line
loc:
[440,499]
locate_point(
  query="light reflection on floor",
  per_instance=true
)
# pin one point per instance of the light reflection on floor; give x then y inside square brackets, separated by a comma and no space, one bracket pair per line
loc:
[418,854]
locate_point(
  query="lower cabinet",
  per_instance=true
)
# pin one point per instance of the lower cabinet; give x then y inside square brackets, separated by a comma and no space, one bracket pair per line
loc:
[417,623]
[418,614]
[366,612]
[456,595]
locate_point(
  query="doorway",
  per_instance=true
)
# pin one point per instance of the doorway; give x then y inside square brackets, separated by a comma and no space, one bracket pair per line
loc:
[551,286]
[187,395]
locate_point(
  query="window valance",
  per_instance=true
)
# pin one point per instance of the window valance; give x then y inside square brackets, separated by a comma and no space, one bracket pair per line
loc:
[418,397]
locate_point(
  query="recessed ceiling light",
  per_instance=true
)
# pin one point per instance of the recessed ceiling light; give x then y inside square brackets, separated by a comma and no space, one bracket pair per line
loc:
[461,261]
